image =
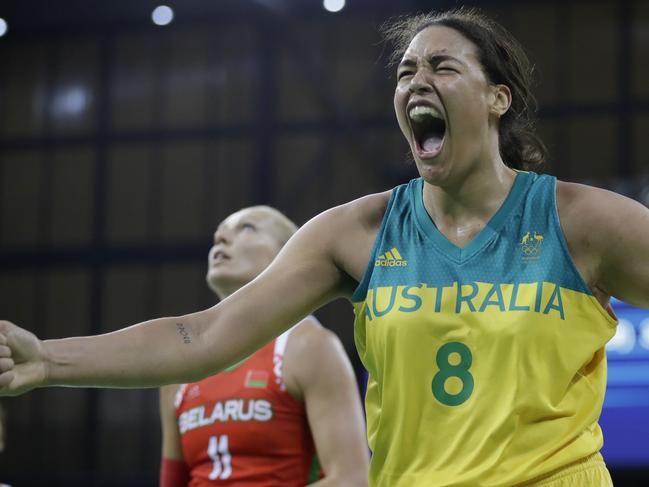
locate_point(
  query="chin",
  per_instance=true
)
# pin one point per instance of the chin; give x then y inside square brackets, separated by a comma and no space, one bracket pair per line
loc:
[433,172]
[226,280]
[217,279]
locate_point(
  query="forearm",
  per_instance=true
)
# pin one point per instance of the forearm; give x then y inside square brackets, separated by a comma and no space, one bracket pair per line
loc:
[167,350]
[156,352]
[172,350]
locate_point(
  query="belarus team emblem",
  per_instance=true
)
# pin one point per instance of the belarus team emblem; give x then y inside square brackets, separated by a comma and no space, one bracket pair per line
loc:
[256,379]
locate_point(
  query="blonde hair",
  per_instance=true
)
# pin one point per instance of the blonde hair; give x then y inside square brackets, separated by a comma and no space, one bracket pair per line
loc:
[283,227]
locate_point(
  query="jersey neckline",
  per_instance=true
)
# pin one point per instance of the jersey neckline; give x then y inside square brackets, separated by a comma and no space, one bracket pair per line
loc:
[490,230]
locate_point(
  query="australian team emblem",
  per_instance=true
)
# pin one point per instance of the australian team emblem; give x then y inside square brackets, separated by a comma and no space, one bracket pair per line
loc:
[531,245]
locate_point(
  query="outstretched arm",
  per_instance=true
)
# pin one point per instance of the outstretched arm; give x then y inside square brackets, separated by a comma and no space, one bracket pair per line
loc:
[183,349]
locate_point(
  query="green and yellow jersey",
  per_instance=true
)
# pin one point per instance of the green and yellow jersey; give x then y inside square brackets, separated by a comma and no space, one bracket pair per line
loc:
[486,363]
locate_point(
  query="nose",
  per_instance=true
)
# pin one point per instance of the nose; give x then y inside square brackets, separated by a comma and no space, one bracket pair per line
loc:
[222,237]
[419,83]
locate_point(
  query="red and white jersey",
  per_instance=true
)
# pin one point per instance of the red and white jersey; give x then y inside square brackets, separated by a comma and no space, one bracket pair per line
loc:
[242,428]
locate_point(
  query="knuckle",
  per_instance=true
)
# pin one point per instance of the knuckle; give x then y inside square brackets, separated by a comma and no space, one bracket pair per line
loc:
[6,363]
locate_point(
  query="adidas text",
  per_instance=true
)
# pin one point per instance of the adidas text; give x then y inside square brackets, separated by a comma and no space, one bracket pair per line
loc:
[390,263]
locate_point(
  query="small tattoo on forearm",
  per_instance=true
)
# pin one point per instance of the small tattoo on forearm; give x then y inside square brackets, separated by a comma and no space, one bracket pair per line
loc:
[183,333]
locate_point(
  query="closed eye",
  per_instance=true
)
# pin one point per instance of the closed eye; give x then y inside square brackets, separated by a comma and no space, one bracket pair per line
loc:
[441,62]
[446,68]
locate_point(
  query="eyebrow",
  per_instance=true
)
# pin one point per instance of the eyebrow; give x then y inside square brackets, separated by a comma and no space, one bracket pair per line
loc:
[434,58]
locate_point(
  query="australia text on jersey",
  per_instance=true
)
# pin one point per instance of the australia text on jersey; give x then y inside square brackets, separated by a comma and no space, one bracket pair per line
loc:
[472,297]
[222,411]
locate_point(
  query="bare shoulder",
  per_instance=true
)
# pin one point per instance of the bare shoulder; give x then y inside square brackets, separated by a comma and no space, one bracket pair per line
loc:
[351,229]
[308,336]
[586,195]
[311,349]
[608,238]
[328,255]
[363,213]
[368,211]
[591,210]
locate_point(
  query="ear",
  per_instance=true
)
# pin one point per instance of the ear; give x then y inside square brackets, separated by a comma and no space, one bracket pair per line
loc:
[501,100]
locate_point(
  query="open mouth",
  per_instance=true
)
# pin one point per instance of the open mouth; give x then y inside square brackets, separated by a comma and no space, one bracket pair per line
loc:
[218,257]
[428,127]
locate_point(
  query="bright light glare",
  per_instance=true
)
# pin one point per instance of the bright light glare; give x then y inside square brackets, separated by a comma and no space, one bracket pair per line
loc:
[3,27]
[70,102]
[162,15]
[334,5]
[624,339]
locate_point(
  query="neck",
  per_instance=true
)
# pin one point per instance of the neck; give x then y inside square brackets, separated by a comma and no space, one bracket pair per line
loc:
[463,207]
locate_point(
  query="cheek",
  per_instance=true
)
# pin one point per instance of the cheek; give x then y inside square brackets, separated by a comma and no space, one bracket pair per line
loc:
[457,91]
[399,109]
[400,96]
[469,100]
[470,90]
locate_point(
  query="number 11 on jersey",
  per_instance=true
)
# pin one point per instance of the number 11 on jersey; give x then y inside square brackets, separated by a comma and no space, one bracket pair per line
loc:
[218,450]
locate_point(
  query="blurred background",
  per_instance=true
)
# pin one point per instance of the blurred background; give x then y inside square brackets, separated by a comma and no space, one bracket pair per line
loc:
[127,133]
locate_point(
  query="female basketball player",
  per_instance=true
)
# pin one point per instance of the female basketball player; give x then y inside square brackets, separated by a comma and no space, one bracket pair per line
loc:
[481,291]
[256,423]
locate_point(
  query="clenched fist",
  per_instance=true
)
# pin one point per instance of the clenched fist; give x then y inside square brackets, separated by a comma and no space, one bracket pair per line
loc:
[22,364]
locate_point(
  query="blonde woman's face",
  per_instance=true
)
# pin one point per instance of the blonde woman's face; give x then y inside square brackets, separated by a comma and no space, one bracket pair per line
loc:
[244,245]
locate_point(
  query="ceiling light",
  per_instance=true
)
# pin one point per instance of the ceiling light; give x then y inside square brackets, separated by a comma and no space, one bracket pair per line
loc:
[334,5]
[162,15]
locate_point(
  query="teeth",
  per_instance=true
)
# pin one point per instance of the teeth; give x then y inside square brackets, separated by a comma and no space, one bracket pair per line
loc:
[419,112]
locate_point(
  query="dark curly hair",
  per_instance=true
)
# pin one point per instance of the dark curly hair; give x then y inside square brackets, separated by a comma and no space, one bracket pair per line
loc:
[504,62]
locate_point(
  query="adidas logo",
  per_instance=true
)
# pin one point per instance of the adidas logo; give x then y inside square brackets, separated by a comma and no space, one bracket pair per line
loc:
[392,258]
